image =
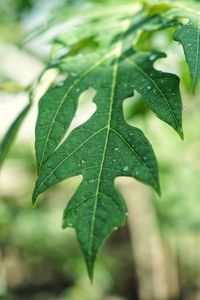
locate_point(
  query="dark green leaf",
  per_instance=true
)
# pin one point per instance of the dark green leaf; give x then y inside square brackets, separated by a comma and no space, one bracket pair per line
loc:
[105,147]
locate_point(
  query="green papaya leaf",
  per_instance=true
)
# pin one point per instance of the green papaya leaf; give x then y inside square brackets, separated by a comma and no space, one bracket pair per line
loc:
[104,147]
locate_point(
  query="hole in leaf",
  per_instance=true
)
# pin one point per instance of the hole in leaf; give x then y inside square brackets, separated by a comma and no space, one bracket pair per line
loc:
[133,106]
[86,108]
[185,21]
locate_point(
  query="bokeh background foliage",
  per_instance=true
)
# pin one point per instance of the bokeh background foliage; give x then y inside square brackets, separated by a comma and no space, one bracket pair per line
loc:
[157,254]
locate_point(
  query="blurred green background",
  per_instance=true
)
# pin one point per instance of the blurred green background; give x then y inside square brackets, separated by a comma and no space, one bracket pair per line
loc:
[157,254]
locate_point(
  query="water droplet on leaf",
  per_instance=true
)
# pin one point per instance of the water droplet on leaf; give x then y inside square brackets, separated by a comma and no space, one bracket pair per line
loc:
[152,57]
[125,168]
[60,83]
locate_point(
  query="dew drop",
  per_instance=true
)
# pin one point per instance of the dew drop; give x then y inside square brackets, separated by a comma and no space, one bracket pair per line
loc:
[137,172]
[116,149]
[60,83]
[126,214]
[115,228]
[125,168]
[83,161]
[148,87]
[152,57]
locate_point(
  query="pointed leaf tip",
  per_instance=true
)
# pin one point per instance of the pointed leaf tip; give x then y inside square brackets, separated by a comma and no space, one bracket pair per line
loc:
[158,191]
[181,133]
[90,263]
[34,198]
[91,275]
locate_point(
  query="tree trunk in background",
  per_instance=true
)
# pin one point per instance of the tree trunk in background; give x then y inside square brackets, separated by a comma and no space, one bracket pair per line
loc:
[156,270]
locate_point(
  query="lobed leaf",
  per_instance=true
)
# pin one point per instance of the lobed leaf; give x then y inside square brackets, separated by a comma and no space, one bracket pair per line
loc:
[104,147]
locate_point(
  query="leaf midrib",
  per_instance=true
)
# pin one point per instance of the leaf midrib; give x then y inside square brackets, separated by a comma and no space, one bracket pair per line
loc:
[115,75]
